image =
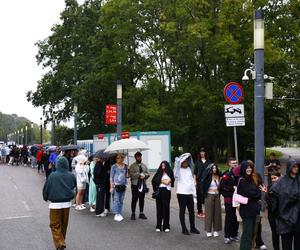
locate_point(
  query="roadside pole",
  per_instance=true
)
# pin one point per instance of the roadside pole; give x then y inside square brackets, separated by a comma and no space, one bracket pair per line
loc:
[235,144]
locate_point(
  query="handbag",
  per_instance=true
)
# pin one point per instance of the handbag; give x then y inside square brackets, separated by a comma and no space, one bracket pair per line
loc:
[120,188]
[238,199]
[155,194]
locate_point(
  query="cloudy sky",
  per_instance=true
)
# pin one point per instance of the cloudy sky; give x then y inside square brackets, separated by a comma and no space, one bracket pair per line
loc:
[22,23]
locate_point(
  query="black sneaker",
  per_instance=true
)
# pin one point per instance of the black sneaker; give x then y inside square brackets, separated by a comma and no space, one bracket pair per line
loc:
[195,231]
[132,217]
[142,216]
[185,232]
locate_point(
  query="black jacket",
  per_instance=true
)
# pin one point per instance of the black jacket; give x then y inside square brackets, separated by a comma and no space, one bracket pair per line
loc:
[156,180]
[200,168]
[60,185]
[207,178]
[227,183]
[102,173]
[287,201]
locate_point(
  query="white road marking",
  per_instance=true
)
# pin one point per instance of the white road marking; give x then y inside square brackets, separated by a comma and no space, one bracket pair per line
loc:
[26,206]
[16,217]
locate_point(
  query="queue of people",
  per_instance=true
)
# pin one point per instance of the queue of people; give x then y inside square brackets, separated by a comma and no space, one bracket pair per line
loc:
[241,187]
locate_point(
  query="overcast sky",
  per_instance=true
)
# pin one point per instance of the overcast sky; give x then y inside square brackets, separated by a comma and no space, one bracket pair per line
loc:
[22,23]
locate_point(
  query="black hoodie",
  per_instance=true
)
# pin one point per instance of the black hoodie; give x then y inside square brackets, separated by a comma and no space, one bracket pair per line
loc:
[156,180]
[287,192]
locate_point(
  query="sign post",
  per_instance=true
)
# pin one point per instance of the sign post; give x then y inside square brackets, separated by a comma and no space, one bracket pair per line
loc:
[234,113]
[111,114]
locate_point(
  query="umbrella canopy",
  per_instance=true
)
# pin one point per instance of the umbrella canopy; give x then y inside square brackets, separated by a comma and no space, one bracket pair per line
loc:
[126,145]
[51,148]
[101,154]
[69,147]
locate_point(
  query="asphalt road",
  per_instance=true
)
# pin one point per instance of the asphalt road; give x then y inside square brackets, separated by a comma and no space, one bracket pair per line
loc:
[24,222]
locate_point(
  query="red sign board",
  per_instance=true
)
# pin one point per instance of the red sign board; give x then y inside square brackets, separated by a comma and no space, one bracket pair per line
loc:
[111,114]
[100,136]
[125,135]
[233,93]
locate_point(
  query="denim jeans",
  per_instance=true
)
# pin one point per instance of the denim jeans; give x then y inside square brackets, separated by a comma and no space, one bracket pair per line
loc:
[117,201]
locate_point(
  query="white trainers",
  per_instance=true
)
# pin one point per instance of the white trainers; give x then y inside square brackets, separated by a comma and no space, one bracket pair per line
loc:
[79,208]
[263,247]
[118,217]
[167,230]
[209,234]
[121,217]
[82,206]
[102,214]
[106,211]
[157,230]
[216,234]
[92,210]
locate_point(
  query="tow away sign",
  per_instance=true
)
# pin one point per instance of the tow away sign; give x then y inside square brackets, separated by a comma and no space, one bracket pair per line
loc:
[234,110]
[235,121]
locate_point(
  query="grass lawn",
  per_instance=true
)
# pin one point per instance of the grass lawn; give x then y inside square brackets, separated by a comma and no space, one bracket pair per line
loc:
[277,153]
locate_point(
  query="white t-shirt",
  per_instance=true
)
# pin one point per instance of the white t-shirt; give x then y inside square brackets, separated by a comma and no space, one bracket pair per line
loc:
[165,177]
[185,183]
[60,205]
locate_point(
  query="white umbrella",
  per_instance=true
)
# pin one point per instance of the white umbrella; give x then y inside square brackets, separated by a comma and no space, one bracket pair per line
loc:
[126,145]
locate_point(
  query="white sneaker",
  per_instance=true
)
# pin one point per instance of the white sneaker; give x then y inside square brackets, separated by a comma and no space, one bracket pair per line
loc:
[79,207]
[167,230]
[106,211]
[117,218]
[121,217]
[216,234]
[92,210]
[209,234]
[102,214]
[157,230]
[263,247]
[82,206]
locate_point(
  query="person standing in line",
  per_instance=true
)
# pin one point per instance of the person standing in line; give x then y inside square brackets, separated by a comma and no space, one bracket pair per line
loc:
[3,154]
[40,160]
[210,186]
[24,155]
[82,171]
[272,211]
[287,194]
[200,166]
[118,181]
[186,191]
[227,184]
[163,181]
[46,164]
[7,149]
[33,152]
[59,190]
[248,187]
[272,164]
[138,173]
[53,157]
[102,181]
[92,186]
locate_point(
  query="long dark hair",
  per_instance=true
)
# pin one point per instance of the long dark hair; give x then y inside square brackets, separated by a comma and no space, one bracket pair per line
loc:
[205,154]
[159,173]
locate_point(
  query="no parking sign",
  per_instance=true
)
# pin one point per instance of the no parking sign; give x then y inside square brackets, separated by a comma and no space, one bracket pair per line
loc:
[233,93]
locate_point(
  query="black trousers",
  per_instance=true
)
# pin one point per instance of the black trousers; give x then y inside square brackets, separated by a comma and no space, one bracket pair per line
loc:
[275,236]
[186,201]
[259,241]
[137,196]
[288,240]
[102,199]
[40,166]
[163,208]
[200,199]
[231,226]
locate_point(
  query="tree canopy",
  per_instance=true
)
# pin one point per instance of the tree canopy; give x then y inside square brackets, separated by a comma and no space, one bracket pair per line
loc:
[174,58]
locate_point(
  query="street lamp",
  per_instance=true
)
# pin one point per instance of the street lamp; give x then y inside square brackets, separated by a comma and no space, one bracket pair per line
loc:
[53,129]
[259,90]
[75,123]
[22,136]
[119,109]
[18,137]
[26,135]
[41,130]
[32,142]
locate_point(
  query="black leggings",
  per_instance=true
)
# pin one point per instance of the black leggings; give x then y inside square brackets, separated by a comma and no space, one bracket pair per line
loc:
[136,195]
[163,208]
[186,201]
[103,198]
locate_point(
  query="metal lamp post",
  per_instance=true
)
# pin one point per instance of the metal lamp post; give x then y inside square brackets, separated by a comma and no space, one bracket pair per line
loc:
[41,130]
[119,109]
[53,129]
[26,135]
[22,136]
[18,137]
[259,90]
[32,142]
[75,123]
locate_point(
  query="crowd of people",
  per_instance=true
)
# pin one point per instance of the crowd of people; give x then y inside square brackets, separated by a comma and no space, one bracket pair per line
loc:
[102,180]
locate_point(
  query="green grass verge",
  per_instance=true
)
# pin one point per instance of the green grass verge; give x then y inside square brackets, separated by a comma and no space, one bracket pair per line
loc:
[269,151]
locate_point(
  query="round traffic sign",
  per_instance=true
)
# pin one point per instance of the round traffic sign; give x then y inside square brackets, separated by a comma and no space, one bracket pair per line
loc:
[233,93]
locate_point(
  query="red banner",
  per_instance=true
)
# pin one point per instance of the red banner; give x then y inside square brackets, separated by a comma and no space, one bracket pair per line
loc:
[111,114]
[125,135]
[100,136]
